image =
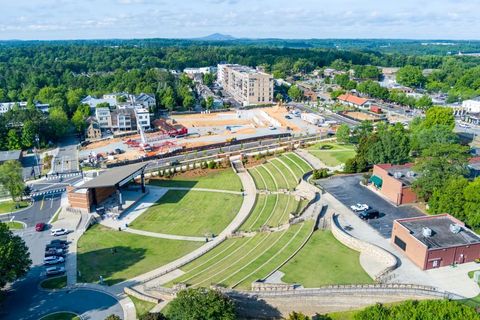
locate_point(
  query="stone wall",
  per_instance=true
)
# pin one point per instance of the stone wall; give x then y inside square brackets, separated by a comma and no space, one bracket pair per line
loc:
[385,258]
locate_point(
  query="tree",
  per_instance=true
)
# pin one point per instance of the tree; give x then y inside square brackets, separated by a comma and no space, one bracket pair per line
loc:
[450,198]
[29,131]
[410,76]
[297,316]
[201,304]
[14,256]
[439,116]
[153,316]
[295,93]
[343,133]
[189,102]
[58,121]
[279,97]
[424,102]
[11,178]
[472,203]
[438,164]
[423,138]
[79,121]
[113,317]
[13,142]
[209,103]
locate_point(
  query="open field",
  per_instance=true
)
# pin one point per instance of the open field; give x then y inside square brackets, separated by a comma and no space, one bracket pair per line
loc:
[325,261]
[224,179]
[190,213]
[333,157]
[236,263]
[54,283]
[10,206]
[271,210]
[117,256]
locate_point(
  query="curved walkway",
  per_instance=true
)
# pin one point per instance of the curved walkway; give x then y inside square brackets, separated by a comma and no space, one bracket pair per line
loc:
[164,235]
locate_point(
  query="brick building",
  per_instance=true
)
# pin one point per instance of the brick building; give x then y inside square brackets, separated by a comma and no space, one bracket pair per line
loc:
[435,241]
[394,182]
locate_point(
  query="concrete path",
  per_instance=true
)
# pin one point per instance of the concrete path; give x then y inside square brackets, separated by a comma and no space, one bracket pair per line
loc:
[164,235]
[247,206]
[454,280]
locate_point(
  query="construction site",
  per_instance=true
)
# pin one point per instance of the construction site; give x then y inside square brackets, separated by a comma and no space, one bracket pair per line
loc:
[195,130]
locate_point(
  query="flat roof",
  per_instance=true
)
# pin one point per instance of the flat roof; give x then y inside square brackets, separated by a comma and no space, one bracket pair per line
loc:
[113,176]
[402,172]
[441,236]
[10,155]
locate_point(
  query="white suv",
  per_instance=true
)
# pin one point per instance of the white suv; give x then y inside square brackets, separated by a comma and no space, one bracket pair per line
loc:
[53,260]
[59,232]
[359,207]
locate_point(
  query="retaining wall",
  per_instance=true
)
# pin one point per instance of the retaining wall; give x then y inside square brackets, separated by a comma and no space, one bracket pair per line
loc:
[384,257]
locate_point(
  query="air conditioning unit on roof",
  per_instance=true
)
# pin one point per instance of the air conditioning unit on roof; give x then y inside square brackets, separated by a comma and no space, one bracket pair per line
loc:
[426,232]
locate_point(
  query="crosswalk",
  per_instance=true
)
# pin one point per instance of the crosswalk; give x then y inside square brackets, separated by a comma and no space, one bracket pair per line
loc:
[56,176]
[48,192]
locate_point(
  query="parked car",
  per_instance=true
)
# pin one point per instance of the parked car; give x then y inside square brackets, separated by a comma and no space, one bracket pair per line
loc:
[59,232]
[53,260]
[59,241]
[359,207]
[53,271]
[272,128]
[287,116]
[55,245]
[369,214]
[40,226]
[53,252]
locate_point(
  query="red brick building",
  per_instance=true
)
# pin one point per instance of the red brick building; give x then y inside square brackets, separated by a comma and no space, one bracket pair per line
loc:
[394,182]
[435,241]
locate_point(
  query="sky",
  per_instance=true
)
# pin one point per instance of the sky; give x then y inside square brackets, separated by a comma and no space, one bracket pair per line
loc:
[293,19]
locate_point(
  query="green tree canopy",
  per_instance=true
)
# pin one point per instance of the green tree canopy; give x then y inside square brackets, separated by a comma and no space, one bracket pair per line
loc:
[439,116]
[11,178]
[295,93]
[201,304]
[343,133]
[472,203]
[14,256]
[410,76]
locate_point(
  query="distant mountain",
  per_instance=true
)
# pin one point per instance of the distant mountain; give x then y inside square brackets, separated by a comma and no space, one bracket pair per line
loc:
[216,37]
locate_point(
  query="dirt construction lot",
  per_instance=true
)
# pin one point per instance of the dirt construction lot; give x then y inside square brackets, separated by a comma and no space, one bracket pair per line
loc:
[362,116]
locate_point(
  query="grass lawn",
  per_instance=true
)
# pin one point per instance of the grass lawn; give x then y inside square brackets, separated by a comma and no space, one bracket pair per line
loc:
[343,315]
[325,261]
[117,255]
[54,283]
[190,213]
[141,307]
[333,157]
[225,179]
[475,301]
[9,206]
[14,225]
[306,167]
[61,316]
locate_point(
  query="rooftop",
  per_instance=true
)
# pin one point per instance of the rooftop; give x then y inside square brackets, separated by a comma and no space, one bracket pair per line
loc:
[10,155]
[114,176]
[352,99]
[442,236]
[403,172]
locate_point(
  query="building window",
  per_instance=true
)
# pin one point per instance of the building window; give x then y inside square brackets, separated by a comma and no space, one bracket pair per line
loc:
[400,243]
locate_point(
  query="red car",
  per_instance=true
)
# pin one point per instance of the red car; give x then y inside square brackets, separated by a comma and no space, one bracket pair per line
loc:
[40,226]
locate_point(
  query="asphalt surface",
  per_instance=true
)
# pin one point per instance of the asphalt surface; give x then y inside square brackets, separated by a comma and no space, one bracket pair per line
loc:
[67,158]
[347,189]
[26,301]
[42,210]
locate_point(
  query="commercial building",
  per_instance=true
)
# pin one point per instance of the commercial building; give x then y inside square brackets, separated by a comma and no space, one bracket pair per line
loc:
[472,105]
[394,182]
[352,100]
[435,241]
[246,85]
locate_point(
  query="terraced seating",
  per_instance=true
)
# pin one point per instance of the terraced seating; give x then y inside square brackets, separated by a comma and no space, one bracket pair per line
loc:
[237,262]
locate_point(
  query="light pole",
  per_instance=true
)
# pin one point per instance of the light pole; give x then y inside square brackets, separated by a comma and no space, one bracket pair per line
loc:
[35,151]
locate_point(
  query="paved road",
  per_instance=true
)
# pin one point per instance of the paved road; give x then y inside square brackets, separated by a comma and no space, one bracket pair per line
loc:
[42,210]
[67,158]
[347,189]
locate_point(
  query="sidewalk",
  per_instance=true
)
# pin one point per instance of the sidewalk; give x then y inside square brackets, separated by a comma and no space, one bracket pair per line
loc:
[164,235]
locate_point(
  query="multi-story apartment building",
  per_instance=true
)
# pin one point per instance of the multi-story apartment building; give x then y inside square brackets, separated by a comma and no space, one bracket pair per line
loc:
[7,106]
[104,118]
[123,118]
[143,118]
[246,85]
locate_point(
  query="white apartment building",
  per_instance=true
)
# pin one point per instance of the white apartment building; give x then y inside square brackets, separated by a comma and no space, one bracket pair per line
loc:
[146,100]
[104,118]
[248,86]
[472,105]
[203,70]
[143,118]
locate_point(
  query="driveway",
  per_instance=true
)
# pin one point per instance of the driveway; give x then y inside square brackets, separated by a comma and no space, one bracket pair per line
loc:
[348,191]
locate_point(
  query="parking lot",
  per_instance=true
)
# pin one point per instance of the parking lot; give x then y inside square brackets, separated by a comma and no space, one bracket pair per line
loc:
[347,189]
